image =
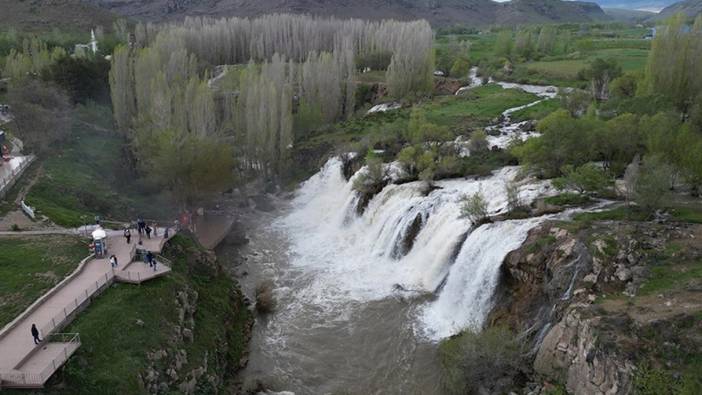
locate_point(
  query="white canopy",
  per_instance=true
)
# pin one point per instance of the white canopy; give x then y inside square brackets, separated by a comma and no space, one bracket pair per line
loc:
[99,234]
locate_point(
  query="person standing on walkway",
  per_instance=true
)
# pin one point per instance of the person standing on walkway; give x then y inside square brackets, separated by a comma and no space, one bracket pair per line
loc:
[150,258]
[35,334]
[148,231]
[140,226]
[113,261]
[127,234]
[155,228]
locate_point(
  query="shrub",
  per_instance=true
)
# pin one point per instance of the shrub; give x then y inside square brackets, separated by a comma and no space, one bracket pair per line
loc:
[479,362]
[586,178]
[651,185]
[373,178]
[514,201]
[265,300]
[478,142]
[475,207]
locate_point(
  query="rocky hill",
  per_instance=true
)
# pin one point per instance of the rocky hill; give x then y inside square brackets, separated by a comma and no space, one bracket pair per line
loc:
[688,7]
[438,12]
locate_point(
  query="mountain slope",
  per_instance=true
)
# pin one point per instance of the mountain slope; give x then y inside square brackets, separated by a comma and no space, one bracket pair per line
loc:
[438,12]
[688,7]
[648,5]
[37,15]
[628,15]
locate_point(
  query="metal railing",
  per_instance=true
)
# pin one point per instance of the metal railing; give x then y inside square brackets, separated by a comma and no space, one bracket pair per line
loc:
[8,180]
[70,341]
[73,305]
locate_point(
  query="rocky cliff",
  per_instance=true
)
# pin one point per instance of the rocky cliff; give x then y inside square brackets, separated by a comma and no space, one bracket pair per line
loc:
[606,307]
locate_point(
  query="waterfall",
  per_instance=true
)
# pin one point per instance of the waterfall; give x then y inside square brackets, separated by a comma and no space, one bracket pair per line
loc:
[352,258]
[465,300]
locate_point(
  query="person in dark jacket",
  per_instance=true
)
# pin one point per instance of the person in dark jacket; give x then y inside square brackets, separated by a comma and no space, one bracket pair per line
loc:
[35,334]
[147,229]
[127,234]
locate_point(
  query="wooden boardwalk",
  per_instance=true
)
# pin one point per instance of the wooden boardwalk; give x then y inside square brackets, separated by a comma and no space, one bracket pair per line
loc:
[26,365]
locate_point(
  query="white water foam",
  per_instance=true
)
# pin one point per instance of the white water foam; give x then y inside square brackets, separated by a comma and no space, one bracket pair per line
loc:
[352,258]
[466,299]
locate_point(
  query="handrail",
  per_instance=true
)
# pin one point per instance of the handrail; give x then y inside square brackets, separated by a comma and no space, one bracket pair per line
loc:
[5,181]
[46,296]
[70,307]
[71,342]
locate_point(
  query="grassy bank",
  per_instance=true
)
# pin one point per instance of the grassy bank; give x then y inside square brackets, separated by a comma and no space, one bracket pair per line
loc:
[30,266]
[126,322]
[89,176]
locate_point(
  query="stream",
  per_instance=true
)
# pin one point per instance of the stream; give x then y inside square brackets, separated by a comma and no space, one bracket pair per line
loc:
[362,300]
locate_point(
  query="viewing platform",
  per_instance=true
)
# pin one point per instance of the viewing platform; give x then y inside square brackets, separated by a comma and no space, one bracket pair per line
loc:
[26,365]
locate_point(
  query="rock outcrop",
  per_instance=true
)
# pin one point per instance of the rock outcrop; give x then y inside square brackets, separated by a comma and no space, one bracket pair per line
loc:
[573,293]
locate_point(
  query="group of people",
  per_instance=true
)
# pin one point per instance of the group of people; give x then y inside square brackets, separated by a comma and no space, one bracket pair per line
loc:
[145,229]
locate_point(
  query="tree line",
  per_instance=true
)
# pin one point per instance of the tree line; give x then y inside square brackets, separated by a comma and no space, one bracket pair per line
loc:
[646,128]
[286,75]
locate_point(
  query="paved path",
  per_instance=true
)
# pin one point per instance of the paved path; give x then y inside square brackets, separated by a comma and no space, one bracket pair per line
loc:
[19,357]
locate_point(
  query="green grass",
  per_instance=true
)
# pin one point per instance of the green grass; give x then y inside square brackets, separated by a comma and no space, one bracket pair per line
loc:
[669,275]
[687,214]
[537,112]
[88,177]
[622,213]
[114,346]
[568,199]
[30,266]
[476,108]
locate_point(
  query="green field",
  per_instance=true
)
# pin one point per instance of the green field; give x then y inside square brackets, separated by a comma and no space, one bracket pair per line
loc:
[30,266]
[476,108]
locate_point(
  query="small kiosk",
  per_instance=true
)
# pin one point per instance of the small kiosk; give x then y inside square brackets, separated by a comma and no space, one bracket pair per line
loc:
[100,242]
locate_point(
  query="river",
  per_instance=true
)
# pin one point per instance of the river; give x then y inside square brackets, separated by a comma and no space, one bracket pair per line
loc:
[358,310]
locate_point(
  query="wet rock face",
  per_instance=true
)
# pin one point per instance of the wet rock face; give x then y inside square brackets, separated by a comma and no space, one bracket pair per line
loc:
[408,238]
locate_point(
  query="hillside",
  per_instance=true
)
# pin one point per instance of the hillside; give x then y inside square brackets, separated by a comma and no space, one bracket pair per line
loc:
[42,15]
[439,13]
[648,5]
[628,15]
[688,7]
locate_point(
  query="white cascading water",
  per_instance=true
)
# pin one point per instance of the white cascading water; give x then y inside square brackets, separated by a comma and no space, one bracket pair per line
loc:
[348,258]
[354,258]
[465,300]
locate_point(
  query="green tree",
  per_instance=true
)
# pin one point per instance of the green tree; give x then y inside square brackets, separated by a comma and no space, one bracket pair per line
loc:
[504,44]
[601,73]
[651,183]
[479,362]
[564,141]
[586,178]
[618,142]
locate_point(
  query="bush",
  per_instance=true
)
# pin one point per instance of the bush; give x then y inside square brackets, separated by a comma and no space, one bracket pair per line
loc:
[651,184]
[478,142]
[514,201]
[485,362]
[475,207]
[373,178]
[265,300]
[586,178]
